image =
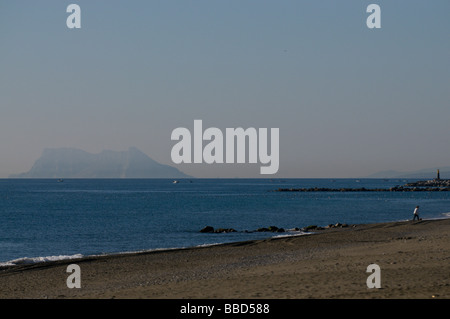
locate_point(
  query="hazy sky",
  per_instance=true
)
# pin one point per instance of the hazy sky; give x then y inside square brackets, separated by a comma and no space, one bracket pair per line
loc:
[349,101]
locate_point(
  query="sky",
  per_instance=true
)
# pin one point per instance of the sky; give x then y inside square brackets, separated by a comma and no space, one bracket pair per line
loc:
[349,101]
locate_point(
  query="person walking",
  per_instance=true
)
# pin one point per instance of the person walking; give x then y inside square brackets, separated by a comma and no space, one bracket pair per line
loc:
[416,213]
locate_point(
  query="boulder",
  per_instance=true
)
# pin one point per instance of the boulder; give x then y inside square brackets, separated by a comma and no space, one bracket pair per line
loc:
[207,229]
[273,229]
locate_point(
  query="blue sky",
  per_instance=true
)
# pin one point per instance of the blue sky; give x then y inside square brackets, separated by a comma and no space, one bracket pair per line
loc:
[349,101]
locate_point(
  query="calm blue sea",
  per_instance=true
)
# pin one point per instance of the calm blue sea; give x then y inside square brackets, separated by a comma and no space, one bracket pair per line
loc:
[47,218]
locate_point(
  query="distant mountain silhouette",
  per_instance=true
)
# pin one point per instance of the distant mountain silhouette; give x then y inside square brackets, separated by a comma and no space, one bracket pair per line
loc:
[75,163]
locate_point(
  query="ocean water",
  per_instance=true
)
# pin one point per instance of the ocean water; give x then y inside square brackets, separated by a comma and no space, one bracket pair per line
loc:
[43,219]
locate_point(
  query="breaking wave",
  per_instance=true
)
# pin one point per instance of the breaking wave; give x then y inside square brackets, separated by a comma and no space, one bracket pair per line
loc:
[35,260]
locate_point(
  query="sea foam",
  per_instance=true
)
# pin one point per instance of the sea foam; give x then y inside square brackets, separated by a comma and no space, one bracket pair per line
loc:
[35,260]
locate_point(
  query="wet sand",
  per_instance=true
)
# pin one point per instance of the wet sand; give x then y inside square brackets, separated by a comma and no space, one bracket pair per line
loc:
[414,258]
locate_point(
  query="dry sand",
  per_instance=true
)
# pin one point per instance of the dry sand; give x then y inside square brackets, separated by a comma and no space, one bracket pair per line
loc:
[414,258]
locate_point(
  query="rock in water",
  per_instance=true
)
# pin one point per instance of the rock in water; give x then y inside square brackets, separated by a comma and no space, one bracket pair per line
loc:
[207,229]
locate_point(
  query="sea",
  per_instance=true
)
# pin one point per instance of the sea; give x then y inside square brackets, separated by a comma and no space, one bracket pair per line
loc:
[49,219]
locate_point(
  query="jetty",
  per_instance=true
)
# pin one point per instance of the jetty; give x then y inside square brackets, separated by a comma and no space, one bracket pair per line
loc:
[434,185]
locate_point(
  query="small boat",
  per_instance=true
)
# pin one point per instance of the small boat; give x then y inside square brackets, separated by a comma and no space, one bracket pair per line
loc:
[60,180]
[175,182]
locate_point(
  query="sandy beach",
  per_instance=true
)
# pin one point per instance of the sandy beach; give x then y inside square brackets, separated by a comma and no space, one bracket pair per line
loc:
[414,261]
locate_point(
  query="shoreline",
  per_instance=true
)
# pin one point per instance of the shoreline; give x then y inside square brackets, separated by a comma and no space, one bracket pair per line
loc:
[28,261]
[43,260]
[38,260]
[413,257]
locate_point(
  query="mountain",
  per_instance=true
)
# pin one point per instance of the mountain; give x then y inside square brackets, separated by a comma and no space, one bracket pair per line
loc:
[428,173]
[75,163]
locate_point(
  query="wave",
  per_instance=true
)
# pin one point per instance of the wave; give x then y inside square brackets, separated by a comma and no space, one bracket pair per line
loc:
[35,260]
[442,216]
[293,234]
